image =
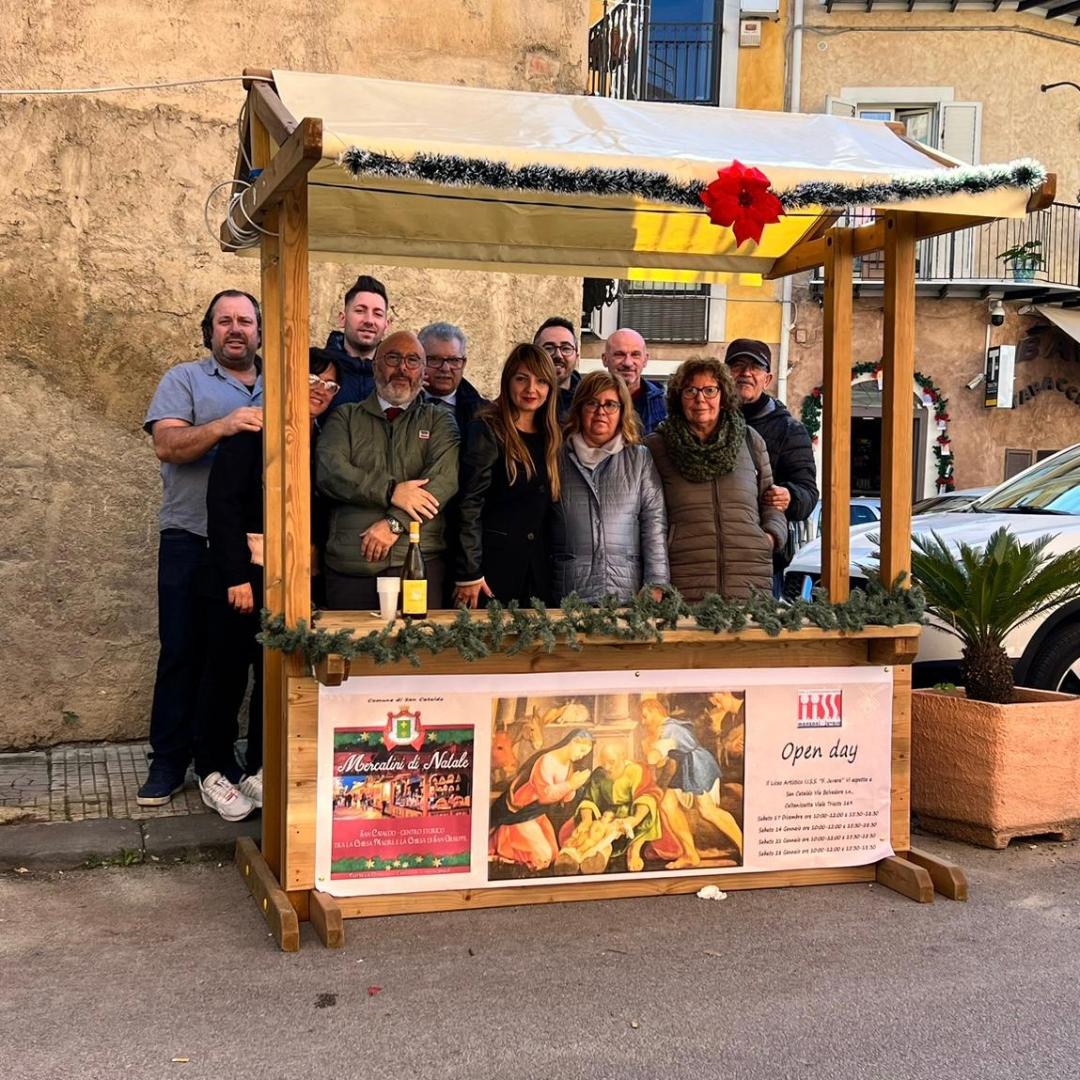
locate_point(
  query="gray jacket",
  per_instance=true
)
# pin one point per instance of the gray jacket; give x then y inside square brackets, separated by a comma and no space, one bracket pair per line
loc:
[608,527]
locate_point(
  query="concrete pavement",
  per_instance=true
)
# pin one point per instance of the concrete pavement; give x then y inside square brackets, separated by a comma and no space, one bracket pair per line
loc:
[124,971]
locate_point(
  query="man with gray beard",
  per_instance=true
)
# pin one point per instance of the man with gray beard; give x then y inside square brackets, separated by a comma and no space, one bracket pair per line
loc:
[389,460]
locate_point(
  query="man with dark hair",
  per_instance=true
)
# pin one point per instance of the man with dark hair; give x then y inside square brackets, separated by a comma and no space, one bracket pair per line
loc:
[791,455]
[387,461]
[557,337]
[625,355]
[363,320]
[196,405]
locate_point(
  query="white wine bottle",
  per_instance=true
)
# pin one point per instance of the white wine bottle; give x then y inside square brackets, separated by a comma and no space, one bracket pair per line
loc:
[414,599]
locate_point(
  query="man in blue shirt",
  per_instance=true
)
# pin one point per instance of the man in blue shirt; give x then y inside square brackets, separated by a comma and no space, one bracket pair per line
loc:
[196,405]
[625,355]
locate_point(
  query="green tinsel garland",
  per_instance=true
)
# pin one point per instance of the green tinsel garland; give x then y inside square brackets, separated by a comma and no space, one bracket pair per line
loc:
[512,629]
[456,171]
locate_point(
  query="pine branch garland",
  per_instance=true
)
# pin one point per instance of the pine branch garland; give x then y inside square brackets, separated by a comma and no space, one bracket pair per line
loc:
[512,629]
[451,170]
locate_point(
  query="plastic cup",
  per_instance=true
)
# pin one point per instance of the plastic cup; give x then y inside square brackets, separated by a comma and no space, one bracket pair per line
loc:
[388,587]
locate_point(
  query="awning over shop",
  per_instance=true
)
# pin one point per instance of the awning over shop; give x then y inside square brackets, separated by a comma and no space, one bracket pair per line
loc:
[499,180]
[1067,319]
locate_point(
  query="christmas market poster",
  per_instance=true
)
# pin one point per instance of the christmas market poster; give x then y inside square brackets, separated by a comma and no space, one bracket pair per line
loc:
[402,798]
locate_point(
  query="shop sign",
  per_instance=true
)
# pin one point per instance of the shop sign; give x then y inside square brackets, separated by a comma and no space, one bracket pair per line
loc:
[426,783]
[1063,386]
[999,372]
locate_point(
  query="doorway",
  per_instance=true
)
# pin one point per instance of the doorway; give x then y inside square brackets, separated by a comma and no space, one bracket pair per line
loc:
[866,441]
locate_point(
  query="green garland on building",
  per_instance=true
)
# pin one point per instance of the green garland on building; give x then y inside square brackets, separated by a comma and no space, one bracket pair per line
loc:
[810,414]
[513,629]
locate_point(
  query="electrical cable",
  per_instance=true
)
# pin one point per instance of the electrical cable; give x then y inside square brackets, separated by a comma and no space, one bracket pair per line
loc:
[120,88]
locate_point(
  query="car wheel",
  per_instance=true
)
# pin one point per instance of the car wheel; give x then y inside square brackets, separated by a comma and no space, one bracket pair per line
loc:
[1057,666]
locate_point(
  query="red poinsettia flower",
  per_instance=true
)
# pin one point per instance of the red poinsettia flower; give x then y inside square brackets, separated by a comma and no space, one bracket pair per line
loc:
[739,198]
[816,392]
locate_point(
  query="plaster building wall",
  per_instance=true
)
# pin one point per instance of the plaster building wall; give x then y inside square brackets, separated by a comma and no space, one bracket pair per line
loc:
[949,342]
[998,59]
[106,266]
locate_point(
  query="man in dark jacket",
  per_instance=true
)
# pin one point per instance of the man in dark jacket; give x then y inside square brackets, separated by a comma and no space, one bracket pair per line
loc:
[557,337]
[794,489]
[444,373]
[445,385]
[363,321]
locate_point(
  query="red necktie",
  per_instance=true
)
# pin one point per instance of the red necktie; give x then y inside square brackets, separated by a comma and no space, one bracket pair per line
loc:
[393,413]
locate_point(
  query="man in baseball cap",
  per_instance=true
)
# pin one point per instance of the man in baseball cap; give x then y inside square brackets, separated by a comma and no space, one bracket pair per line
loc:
[791,455]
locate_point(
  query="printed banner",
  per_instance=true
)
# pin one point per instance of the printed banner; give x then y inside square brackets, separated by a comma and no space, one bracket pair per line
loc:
[579,777]
[402,797]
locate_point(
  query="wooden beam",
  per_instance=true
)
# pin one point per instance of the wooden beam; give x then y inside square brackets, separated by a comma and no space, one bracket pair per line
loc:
[332,670]
[253,76]
[948,878]
[326,918]
[268,107]
[836,416]
[1044,196]
[272,901]
[898,368]
[906,878]
[288,168]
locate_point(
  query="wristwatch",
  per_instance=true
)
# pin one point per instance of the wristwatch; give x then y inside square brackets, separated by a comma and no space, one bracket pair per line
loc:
[395,526]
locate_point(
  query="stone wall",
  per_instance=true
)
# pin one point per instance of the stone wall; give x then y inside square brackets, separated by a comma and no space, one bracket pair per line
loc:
[106,267]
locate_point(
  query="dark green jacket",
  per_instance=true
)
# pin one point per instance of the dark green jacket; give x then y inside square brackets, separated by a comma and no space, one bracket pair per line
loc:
[361,455]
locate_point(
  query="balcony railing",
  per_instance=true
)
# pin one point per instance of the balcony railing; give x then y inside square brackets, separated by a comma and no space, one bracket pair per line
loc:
[971,256]
[633,58]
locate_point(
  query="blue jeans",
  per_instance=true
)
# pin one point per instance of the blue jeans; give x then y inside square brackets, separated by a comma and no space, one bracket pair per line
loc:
[181,631]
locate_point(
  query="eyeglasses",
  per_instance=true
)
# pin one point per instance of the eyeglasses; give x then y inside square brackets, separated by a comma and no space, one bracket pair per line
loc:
[315,383]
[602,406]
[707,392]
[737,367]
[564,349]
[396,360]
[454,363]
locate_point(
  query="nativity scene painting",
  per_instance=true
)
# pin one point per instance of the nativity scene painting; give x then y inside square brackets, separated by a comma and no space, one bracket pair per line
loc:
[616,783]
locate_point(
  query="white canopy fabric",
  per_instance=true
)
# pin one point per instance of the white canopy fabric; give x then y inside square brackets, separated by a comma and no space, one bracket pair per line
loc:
[1067,319]
[412,221]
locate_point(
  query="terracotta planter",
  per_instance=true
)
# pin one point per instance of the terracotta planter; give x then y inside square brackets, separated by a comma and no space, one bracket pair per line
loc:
[988,773]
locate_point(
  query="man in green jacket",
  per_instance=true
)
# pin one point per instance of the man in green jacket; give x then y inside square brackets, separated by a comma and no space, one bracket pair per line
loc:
[390,459]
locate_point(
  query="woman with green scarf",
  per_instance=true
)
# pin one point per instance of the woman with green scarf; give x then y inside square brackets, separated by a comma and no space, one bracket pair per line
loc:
[715,471]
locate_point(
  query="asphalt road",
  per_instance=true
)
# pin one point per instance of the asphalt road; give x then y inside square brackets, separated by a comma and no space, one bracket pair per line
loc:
[117,972]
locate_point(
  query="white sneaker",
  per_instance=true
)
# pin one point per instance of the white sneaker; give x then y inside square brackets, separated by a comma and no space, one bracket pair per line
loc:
[225,797]
[251,786]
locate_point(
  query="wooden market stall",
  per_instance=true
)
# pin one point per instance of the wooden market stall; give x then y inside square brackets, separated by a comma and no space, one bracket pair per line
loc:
[488,180]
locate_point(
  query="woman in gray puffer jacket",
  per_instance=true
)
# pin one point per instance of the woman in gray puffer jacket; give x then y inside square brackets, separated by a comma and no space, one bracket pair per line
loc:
[609,525]
[715,471]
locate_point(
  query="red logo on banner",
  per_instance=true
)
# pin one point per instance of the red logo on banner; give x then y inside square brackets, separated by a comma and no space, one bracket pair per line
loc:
[821,708]
[403,728]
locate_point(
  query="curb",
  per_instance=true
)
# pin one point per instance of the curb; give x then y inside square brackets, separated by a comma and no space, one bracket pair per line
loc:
[74,845]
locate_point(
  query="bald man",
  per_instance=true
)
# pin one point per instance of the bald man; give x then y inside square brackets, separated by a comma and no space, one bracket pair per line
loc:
[389,460]
[625,355]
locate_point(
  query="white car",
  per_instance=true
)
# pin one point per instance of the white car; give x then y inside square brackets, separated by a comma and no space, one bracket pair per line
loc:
[1044,498]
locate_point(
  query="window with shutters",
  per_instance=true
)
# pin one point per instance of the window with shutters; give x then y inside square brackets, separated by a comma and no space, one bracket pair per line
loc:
[665,311]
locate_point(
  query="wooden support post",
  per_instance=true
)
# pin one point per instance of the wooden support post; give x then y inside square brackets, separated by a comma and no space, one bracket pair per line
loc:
[836,416]
[948,878]
[898,368]
[272,901]
[906,878]
[327,920]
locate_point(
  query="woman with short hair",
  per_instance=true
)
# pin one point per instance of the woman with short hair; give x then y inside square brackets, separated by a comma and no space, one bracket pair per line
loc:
[715,472]
[608,528]
[509,480]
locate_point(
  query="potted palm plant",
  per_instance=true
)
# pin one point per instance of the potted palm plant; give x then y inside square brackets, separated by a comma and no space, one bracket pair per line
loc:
[1025,258]
[991,761]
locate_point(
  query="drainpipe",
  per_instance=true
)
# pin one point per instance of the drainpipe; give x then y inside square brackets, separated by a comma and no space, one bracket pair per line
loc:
[787,321]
